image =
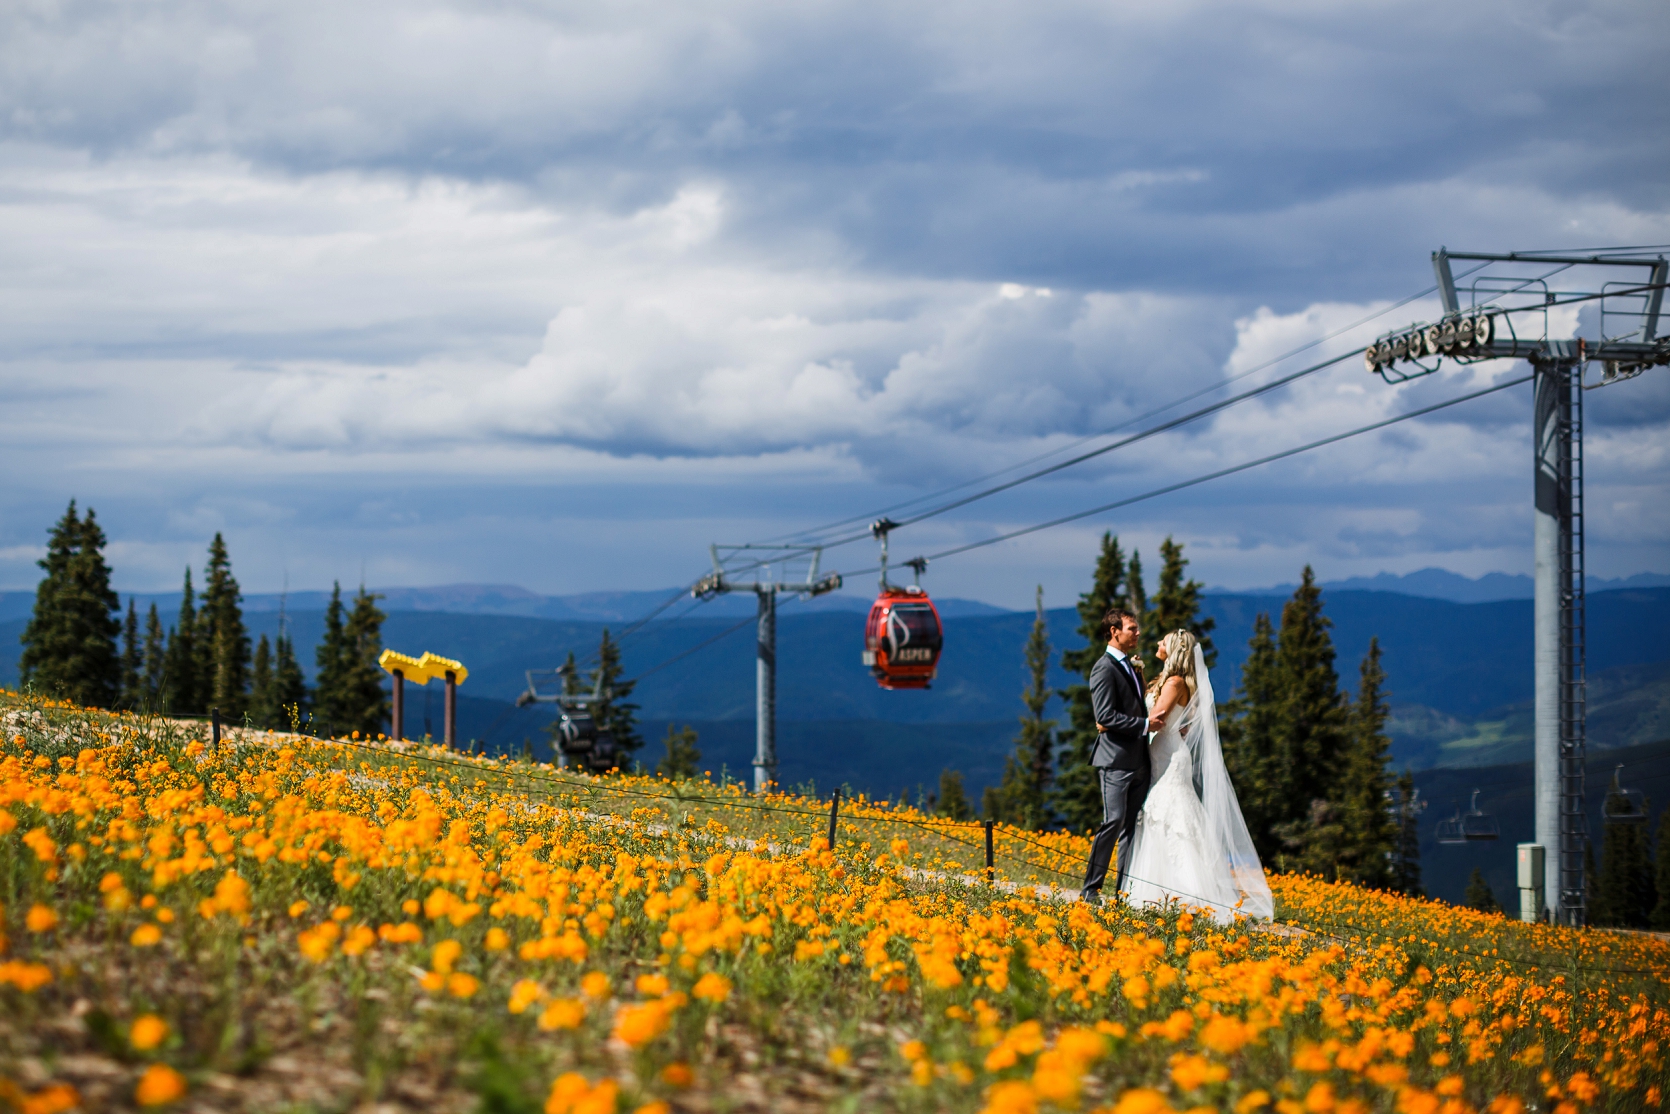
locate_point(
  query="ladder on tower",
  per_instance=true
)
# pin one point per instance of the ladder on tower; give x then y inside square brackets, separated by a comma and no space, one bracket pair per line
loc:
[1574,823]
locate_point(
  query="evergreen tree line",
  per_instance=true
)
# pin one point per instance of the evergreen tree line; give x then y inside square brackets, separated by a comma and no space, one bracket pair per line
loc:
[1310,761]
[78,647]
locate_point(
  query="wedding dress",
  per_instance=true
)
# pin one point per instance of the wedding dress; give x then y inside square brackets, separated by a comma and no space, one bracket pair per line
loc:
[1191,843]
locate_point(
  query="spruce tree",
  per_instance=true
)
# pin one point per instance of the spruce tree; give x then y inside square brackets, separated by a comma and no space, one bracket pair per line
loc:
[613,713]
[1479,894]
[1598,911]
[133,660]
[1314,719]
[331,657]
[1406,875]
[1176,605]
[1369,850]
[682,755]
[289,685]
[1078,792]
[1625,889]
[1660,920]
[363,703]
[1311,737]
[69,644]
[952,801]
[263,702]
[182,692]
[223,641]
[156,659]
[1136,602]
[1250,727]
[1023,799]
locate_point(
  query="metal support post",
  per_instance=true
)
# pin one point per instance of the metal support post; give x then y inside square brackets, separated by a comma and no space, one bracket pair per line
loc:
[834,814]
[214,726]
[765,702]
[991,872]
[398,714]
[1558,641]
[451,713]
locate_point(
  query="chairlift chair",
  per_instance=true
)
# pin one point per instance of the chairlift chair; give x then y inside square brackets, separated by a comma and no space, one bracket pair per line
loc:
[578,739]
[1623,806]
[1467,827]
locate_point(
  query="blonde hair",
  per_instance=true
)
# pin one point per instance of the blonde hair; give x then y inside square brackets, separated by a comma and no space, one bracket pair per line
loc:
[1179,661]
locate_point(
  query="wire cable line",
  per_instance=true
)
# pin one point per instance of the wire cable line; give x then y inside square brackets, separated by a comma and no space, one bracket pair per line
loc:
[1156,411]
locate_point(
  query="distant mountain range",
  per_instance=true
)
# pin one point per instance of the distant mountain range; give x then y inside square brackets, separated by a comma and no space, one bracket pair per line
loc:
[630,606]
[1458,674]
[1441,584]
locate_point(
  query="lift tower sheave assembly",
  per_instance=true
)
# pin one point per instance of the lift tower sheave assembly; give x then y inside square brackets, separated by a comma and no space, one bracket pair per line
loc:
[732,567]
[1505,299]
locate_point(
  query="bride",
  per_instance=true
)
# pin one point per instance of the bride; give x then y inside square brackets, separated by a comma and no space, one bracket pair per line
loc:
[1191,844]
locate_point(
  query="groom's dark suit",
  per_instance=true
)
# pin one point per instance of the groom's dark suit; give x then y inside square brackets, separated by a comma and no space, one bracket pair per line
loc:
[1121,762]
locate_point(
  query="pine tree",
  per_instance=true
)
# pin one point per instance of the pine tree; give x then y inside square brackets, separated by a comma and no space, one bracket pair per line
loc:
[1136,602]
[1479,894]
[612,711]
[1312,733]
[363,703]
[1625,890]
[289,685]
[331,658]
[1249,726]
[1078,792]
[1023,799]
[682,755]
[133,661]
[1406,874]
[1660,920]
[263,701]
[156,658]
[1177,605]
[1594,897]
[952,801]
[69,644]
[183,694]
[1370,847]
[223,642]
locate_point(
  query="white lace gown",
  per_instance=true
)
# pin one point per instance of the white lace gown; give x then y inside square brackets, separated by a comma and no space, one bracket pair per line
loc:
[1191,844]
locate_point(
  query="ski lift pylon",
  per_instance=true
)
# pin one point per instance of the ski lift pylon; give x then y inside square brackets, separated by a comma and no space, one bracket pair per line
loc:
[1467,827]
[903,636]
[1623,806]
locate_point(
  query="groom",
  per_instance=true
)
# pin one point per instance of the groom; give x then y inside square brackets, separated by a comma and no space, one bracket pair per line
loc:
[1121,754]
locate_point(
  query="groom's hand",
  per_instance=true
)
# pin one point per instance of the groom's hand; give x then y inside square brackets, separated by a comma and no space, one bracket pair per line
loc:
[1155,723]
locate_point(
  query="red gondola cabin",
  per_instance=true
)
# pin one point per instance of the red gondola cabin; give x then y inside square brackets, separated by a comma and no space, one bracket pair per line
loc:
[903,638]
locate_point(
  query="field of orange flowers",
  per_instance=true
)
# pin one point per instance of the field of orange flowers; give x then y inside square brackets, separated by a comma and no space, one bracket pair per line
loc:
[298,924]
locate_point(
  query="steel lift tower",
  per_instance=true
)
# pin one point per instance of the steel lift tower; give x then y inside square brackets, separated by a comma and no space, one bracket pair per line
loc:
[1506,316]
[731,563]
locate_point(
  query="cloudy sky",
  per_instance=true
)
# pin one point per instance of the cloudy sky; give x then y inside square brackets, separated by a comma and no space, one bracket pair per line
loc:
[557,294]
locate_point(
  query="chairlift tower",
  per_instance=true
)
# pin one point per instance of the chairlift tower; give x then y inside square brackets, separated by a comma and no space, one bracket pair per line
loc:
[1506,317]
[732,564]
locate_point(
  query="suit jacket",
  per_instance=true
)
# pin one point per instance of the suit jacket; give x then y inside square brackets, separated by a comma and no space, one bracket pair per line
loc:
[1123,714]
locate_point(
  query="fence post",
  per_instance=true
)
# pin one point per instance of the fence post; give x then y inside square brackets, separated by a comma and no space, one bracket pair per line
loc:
[991,874]
[214,727]
[834,811]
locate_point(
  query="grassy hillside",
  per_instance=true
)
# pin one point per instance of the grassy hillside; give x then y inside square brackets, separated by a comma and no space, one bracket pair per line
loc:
[304,925]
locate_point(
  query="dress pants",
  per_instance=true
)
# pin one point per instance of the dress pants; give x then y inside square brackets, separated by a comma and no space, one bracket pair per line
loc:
[1123,792]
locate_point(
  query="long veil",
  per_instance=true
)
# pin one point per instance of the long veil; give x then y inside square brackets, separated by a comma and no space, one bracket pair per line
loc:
[1226,831]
